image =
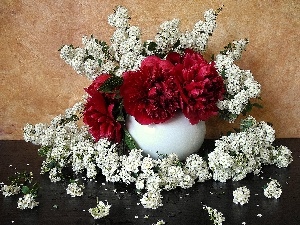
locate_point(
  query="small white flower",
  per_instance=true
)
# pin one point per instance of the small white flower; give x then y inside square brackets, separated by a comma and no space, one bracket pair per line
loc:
[100,211]
[273,189]
[152,199]
[8,190]
[159,222]
[241,195]
[74,189]
[215,216]
[27,202]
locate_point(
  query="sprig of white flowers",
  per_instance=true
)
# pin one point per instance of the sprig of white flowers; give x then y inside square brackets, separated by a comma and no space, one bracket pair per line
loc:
[21,182]
[241,195]
[74,189]
[9,190]
[240,84]
[216,216]
[27,202]
[160,222]
[100,211]
[273,189]
[246,151]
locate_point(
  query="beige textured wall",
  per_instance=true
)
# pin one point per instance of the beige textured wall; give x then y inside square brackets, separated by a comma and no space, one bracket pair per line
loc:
[36,84]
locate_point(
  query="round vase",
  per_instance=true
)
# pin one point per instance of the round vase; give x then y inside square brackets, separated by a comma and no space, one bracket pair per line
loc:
[176,135]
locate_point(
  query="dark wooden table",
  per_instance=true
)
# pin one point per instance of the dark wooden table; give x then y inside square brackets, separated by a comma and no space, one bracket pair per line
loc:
[180,206]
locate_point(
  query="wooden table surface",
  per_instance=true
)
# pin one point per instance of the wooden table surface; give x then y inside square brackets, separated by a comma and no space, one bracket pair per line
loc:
[180,206]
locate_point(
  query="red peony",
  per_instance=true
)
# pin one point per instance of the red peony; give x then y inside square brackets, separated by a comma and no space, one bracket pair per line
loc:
[150,94]
[199,84]
[98,112]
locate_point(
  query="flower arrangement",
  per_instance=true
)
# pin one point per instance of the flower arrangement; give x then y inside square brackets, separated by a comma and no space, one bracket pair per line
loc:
[152,81]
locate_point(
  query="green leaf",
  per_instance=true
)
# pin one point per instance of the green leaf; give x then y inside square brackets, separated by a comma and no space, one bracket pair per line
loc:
[129,141]
[43,151]
[247,109]
[88,57]
[110,84]
[152,46]
[246,124]
[99,62]
[52,164]
[177,43]
[120,118]
[25,190]
[257,105]
[223,73]
[69,119]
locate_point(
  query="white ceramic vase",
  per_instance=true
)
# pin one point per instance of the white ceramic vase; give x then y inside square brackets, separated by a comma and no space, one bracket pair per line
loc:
[176,135]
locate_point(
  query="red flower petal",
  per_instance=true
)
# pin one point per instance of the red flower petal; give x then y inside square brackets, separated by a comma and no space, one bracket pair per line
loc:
[199,84]
[150,94]
[98,112]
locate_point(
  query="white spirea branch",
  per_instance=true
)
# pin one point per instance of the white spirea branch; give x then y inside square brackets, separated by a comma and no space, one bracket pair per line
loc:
[216,216]
[27,202]
[240,84]
[273,189]
[241,195]
[245,152]
[100,211]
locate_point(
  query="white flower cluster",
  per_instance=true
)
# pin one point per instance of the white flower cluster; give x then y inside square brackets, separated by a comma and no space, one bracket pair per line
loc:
[89,61]
[151,175]
[27,202]
[216,216]
[126,45]
[67,145]
[281,156]
[61,127]
[8,190]
[96,57]
[198,37]
[169,34]
[160,222]
[273,189]
[240,84]
[171,174]
[100,211]
[244,152]
[127,49]
[61,140]
[74,189]
[241,195]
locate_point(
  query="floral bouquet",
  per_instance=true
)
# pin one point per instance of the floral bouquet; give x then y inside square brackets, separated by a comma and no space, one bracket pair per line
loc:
[155,79]
[152,81]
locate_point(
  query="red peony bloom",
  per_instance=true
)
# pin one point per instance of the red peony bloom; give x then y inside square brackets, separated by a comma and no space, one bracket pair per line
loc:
[150,94]
[199,84]
[98,112]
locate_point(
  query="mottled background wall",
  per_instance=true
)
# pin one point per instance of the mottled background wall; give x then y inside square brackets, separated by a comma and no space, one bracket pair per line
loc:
[36,84]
